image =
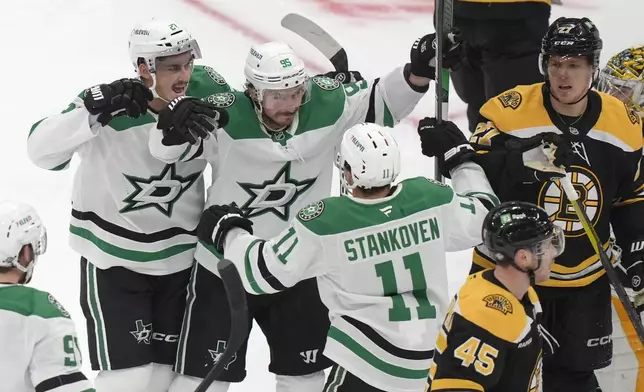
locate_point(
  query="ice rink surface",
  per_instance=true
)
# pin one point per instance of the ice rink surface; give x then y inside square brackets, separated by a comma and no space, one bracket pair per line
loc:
[53,49]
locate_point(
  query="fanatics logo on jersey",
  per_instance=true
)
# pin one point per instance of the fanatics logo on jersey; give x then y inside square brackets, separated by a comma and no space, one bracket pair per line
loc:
[221,100]
[58,305]
[511,99]
[498,302]
[160,192]
[311,211]
[276,195]
[215,76]
[326,83]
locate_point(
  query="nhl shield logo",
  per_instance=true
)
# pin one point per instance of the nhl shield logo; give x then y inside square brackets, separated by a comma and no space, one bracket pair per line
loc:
[311,211]
[215,76]
[221,100]
[511,99]
[326,83]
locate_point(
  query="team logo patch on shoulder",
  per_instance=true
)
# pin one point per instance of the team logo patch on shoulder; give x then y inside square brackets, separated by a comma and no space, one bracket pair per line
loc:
[437,182]
[215,76]
[221,100]
[511,99]
[634,117]
[326,83]
[311,211]
[58,305]
[498,302]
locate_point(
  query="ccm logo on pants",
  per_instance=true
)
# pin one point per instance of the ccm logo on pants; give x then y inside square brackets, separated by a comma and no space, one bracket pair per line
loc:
[594,342]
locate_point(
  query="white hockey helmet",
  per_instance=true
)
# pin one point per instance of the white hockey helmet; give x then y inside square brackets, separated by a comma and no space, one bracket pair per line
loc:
[274,66]
[372,154]
[20,225]
[160,38]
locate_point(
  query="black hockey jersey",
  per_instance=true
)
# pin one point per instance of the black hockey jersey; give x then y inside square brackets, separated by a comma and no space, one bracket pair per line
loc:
[490,340]
[607,145]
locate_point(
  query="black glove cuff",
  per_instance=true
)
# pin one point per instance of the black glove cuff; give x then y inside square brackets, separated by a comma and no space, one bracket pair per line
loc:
[418,89]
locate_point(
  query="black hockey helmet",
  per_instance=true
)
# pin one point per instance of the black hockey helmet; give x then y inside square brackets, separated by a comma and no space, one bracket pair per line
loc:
[571,37]
[516,225]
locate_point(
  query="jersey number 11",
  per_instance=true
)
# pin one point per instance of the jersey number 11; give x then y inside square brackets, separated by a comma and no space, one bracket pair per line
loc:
[399,311]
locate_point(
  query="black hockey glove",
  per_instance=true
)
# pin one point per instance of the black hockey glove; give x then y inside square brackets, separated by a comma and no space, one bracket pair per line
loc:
[445,142]
[344,77]
[537,165]
[423,55]
[122,97]
[632,264]
[217,221]
[189,119]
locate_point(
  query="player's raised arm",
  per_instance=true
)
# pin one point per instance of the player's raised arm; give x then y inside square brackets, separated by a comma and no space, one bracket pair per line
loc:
[389,99]
[53,140]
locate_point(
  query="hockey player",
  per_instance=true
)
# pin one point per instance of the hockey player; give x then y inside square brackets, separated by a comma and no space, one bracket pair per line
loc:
[275,157]
[492,338]
[599,142]
[502,40]
[133,217]
[623,77]
[39,343]
[379,259]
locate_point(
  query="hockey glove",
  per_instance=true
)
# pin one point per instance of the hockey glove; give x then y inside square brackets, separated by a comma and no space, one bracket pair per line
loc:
[544,156]
[122,97]
[189,119]
[344,77]
[217,221]
[632,263]
[423,55]
[445,142]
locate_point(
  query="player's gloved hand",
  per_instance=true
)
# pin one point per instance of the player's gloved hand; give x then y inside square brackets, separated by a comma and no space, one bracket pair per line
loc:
[189,119]
[122,97]
[632,264]
[544,156]
[217,221]
[345,77]
[445,142]
[423,54]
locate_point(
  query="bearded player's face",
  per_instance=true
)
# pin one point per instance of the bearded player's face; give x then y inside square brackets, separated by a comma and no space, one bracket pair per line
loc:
[569,77]
[173,74]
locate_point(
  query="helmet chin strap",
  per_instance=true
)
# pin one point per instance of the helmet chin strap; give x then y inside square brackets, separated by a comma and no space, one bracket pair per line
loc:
[155,94]
[531,271]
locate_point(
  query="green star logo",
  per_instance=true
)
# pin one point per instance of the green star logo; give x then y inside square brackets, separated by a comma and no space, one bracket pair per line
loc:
[276,195]
[160,192]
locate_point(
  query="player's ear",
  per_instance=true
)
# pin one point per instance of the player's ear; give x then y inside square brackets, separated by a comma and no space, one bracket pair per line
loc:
[146,76]
[522,259]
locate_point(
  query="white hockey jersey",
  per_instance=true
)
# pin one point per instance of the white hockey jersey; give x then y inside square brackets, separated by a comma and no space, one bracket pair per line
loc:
[38,344]
[128,208]
[381,271]
[273,175]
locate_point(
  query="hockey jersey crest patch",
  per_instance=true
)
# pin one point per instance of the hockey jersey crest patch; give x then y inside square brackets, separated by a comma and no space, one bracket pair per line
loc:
[498,302]
[221,100]
[511,99]
[311,211]
[215,76]
[58,305]
[326,83]
[634,117]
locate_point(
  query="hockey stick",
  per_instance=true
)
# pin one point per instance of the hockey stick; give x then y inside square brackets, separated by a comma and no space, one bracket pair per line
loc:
[318,37]
[572,195]
[238,316]
[444,19]
[323,42]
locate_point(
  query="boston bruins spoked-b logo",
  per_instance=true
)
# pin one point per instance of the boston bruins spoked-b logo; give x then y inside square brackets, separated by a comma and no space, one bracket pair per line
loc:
[276,195]
[553,199]
[160,192]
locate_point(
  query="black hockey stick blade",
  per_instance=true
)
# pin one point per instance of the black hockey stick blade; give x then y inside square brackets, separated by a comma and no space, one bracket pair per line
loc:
[239,320]
[318,37]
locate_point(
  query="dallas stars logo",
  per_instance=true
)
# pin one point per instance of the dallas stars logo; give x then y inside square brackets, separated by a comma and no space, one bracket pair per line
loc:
[143,332]
[160,192]
[276,195]
[215,354]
